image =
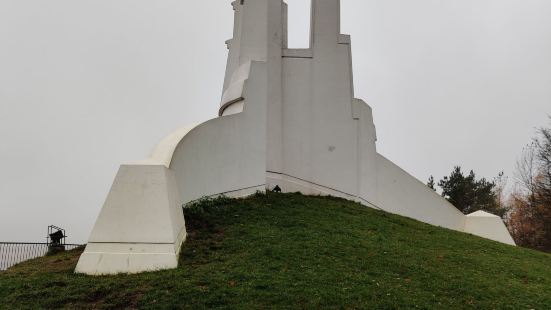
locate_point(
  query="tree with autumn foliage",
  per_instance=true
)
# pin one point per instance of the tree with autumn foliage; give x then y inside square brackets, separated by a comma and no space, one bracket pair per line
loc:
[530,218]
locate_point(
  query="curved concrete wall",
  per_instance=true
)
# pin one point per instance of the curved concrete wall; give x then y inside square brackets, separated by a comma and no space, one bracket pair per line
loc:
[226,155]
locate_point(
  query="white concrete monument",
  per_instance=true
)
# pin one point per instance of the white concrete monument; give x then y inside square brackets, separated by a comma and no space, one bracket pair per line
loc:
[288,117]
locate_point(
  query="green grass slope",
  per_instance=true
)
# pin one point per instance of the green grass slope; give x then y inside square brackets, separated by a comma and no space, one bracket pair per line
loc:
[292,251]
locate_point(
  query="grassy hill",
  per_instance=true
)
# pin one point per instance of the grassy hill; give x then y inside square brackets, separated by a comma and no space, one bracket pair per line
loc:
[292,251]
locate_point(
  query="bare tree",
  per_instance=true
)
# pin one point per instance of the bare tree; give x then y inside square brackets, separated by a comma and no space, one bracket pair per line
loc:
[530,220]
[525,174]
[543,146]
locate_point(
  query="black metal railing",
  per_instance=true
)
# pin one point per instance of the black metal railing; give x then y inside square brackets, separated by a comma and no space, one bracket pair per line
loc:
[13,253]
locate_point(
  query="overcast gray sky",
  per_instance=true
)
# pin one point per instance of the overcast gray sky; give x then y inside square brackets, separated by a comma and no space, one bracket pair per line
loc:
[88,84]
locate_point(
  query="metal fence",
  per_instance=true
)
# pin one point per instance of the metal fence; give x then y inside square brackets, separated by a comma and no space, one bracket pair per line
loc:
[13,253]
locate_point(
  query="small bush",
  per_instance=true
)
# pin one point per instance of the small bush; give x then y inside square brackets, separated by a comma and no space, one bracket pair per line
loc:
[200,214]
[206,205]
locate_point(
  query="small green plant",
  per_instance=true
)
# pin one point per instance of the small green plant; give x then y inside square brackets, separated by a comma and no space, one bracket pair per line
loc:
[205,205]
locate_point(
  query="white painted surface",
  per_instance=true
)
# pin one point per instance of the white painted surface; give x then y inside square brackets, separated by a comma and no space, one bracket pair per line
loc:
[233,108]
[226,154]
[400,193]
[234,93]
[164,151]
[141,226]
[489,226]
[288,118]
[128,258]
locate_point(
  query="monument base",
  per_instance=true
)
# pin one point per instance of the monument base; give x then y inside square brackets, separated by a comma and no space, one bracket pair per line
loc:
[113,258]
[141,226]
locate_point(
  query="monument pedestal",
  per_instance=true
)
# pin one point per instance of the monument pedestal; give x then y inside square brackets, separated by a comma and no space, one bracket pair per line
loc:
[141,226]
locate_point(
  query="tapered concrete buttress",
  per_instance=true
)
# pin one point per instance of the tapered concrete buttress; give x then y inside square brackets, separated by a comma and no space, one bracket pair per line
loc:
[141,226]
[487,225]
[287,118]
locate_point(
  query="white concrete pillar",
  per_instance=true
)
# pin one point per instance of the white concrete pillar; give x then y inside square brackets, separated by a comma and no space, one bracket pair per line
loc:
[285,17]
[276,41]
[249,44]
[325,22]
[254,31]
[234,45]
